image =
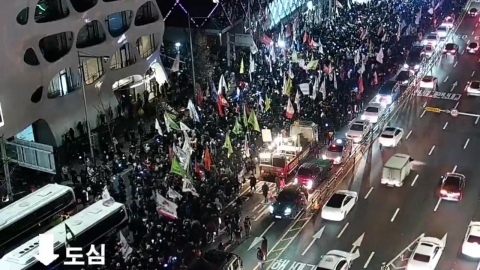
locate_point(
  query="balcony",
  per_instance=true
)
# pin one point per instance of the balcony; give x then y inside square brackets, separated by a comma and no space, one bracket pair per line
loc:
[83,5]
[51,10]
[64,83]
[123,57]
[118,23]
[146,45]
[56,46]
[90,34]
[147,14]
[92,70]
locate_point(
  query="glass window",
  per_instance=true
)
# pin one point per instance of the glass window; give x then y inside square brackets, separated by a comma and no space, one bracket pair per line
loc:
[335,148]
[65,82]
[336,200]
[92,70]
[118,23]
[356,127]
[372,109]
[90,34]
[22,17]
[122,58]
[146,45]
[421,258]
[278,162]
[474,239]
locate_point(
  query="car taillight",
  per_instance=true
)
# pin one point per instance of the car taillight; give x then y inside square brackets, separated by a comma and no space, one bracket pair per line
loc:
[443,192]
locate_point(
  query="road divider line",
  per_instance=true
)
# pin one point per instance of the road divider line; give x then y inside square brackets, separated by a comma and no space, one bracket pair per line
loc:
[431,150]
[463,51]
[473,73]
[415,180]
[446,79]
[256,207]
[408,135]
[424,111]
[365,266]
[343,230]
[468,42]
[395,215]
[437,205]
[455,64]
[476,25]
[473,32]
[425,104]
[368,193]
[456,105]
[445,126]
[266,230]
[476,121]
[466,144]
[454,169]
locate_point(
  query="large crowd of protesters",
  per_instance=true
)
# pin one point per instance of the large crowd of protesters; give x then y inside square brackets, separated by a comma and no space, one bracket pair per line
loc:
[203,146]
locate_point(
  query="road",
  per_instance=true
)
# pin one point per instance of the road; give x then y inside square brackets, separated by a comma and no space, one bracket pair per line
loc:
[386,220]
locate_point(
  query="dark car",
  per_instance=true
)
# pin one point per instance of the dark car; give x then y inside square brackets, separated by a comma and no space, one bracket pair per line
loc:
[452,186]
[450,48]
[414,59]
[310,175]
[472,47]
[403,77]
[473,12]
[289,202]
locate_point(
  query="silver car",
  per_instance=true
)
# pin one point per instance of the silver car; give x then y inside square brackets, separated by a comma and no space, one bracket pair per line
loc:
[338,151]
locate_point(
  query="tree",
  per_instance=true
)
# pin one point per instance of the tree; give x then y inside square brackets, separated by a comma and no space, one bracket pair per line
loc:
[203,65]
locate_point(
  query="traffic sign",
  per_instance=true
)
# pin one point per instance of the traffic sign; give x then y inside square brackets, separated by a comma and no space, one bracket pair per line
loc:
[454,112]
[432,109]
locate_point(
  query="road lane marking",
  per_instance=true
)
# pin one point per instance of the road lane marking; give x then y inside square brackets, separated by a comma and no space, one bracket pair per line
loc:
[478,60]
[466,144]
[476,121]
[368,260]
[468,42]
[445,126]
[446,79]
[408,135]
[256,207]
[478,266]
[343,230]
[462,52]
[261,214]
[455,64]
[454,169]
[415,180]
[425,104]
[473,73]
[424,111]
[437,205]
[473,32]
[395,215]
[266,230]
[456,105]
[476,25]
[431,150]
[368,193]
[316,236]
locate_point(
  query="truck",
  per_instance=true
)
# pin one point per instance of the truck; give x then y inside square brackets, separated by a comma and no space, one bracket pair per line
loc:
[397,168]
[284,155]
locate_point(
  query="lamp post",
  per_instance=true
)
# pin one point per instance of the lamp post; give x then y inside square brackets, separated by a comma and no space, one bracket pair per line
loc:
[193,61]
[80,56]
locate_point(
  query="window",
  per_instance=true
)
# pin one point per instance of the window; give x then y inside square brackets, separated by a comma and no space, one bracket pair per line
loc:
[146,45]
[340,265]
[146,14]
[22,17]
[474,239]
[421,258]
[123,57]
[64,83]
[92,70]
[90,34]
[50,10]
[83,5]
[56,46]
[37,95]
[336,200]
[118,23]
[356,127]
[335,148]
[30,58]
[371,109]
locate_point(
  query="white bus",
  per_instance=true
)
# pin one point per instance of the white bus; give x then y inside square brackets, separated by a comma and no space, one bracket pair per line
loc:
[91,226]
[24,218]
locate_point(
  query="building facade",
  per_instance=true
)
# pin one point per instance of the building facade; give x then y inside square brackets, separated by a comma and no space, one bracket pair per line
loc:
[49,46]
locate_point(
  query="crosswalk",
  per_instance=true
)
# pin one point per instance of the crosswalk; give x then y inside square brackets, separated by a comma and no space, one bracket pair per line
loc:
[259,185]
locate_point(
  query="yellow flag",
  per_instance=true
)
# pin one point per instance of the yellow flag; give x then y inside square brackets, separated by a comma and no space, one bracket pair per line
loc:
[252,119]
[267,103]
[242,67]
[288,89]
[294,57]
[312,64]
[228,145]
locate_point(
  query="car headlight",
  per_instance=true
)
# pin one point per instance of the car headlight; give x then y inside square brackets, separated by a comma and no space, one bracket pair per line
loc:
[417,67]
[295,181]
[405,66]
[309,184]
[288,211]
[324,156]
[362,117]
[270,208]
[337,159]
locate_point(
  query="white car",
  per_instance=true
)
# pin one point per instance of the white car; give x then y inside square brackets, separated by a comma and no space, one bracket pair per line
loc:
[373,112]
[390,136]
[448,22]
[429,49]
[473,88]
[471,243]
[442,31]
[358,130]
[429,82]
[431,39]
[335,260]
[427,253]
[339,205]
[472,47]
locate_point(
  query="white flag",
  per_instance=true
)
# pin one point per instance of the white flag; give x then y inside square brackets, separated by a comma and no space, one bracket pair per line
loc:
[335,80]
[323,89]
[186,144]
[184,127]
[124,246]
[305,88]
[158,127]
[272,53]
[176,64]
[222,83]
[380,56]
[251,68]
[106,194]
[315,88]
[284,88]
[297,101]
[188,187]
[357,57]
[172,194]
[166,123]
[166,207]
[193,112]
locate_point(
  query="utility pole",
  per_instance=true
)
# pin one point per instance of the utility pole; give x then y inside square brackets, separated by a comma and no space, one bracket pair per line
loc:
[193,61]
[6,169]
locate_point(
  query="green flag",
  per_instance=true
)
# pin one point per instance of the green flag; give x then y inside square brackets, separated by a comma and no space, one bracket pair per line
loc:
[245,121]
[177,168]
[228,145]
[252,119]
[237,128]
[171,124]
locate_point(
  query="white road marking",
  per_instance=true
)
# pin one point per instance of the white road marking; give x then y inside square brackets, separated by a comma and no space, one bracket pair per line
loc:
[266,230]
[462,52]
[408,135]
[395,215]
[431,150]
[343,230]
[456,105]
[256,207]
[478,266]
[468,42]
[455,64]
[437,205]
[446,79]
[473,32]
[473,73]
[479,60]
[445,126]
[454,169]
[475,26]
[415,180]
[261,214]
[368,193]
[476,121]
[423,114]
[466,144]
[369,259]
[425,104]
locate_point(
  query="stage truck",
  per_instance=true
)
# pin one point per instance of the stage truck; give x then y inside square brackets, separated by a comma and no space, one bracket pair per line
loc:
[285,154]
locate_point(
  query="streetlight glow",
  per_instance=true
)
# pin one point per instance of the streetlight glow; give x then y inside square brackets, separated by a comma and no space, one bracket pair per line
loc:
[310,5]
[177,45]
[281,43]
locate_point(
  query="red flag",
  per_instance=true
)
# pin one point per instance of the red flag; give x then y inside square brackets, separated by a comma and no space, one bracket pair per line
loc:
[266,40]
[375,78]
[199,97]
[197,168]
[305,37]
[360,84]
[220,105]
[207,160]
[290,111]
[311,43]
[288,32]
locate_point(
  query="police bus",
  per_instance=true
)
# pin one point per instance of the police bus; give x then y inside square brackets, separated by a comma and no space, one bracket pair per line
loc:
[35,212]
[91,226]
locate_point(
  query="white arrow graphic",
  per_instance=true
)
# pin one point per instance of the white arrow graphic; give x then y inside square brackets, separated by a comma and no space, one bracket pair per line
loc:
[453,86]
[357,243]
[46,253]
[259,239]
[356,255]
[316,236]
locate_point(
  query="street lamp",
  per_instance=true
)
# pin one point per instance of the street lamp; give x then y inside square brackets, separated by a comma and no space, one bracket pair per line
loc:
[80,56]
[177,45]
